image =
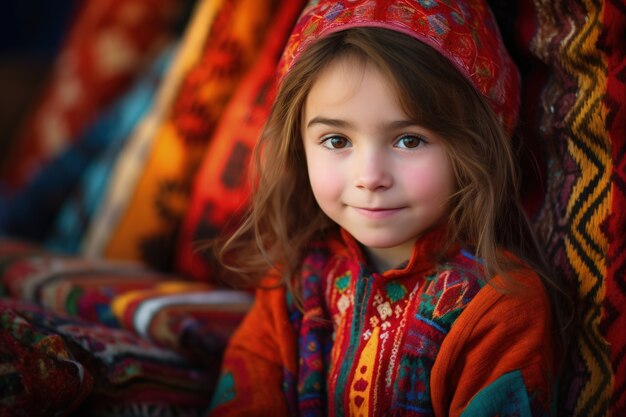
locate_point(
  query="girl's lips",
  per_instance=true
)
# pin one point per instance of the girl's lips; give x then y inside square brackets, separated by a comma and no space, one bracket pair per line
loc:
[377,213]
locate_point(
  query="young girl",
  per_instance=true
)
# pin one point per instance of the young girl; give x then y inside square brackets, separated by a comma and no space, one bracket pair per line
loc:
[397,273]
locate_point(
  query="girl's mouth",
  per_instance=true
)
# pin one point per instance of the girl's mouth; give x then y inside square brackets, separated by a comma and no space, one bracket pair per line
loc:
[377,213]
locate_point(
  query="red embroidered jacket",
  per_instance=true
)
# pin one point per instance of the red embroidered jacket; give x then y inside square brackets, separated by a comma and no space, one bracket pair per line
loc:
[420,340]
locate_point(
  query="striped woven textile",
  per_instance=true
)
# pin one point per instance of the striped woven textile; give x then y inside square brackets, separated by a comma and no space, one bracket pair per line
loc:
[110,338]
[574,55]
[53,364]
[148,226]
[122,179]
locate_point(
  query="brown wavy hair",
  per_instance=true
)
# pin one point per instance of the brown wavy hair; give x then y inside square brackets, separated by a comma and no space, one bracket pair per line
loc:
[486,214]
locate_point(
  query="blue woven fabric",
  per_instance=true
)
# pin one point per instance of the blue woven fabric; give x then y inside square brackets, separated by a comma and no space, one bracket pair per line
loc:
[32,212]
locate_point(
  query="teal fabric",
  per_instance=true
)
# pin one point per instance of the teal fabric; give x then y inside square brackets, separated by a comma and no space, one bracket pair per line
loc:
[507,396]
[224,392]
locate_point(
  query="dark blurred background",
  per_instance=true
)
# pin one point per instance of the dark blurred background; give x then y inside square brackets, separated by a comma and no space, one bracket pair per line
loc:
[31,32]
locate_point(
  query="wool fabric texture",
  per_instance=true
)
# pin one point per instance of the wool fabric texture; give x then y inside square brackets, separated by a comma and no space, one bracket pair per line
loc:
[463,31]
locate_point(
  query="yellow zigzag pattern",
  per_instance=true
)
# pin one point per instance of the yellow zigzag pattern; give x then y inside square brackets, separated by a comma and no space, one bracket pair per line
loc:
[589,203]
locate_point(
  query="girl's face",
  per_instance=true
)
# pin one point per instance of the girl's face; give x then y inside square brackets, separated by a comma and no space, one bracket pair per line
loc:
[373,171]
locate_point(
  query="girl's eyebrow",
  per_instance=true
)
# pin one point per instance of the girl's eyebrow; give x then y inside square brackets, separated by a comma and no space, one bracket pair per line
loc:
[328,122]
[396,124]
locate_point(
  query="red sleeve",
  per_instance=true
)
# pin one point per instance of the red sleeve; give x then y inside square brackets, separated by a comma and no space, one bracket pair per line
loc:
[256,359]
[499,355]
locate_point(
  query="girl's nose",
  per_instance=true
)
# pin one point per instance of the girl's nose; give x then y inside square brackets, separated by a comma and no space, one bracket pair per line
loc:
[371,171]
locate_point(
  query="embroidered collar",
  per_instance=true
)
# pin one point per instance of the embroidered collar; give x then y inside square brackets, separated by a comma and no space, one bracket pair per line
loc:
[424,256]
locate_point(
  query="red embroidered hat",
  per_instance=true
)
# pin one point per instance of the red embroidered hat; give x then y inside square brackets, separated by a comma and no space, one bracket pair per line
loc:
[464,31]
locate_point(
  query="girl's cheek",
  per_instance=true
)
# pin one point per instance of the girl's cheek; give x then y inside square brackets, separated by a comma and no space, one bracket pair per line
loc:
[325,177]
[431,181]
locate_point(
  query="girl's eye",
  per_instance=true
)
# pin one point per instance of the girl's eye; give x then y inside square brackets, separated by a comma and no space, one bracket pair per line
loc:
[409,142]
[335,142]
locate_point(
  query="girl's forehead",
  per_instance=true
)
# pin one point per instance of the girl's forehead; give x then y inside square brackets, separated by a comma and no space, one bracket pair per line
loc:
[345,65]
[350,69]
[350,93]
[347,71]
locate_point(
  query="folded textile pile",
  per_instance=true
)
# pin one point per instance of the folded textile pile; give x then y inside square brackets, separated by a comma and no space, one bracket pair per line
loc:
[107,337]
